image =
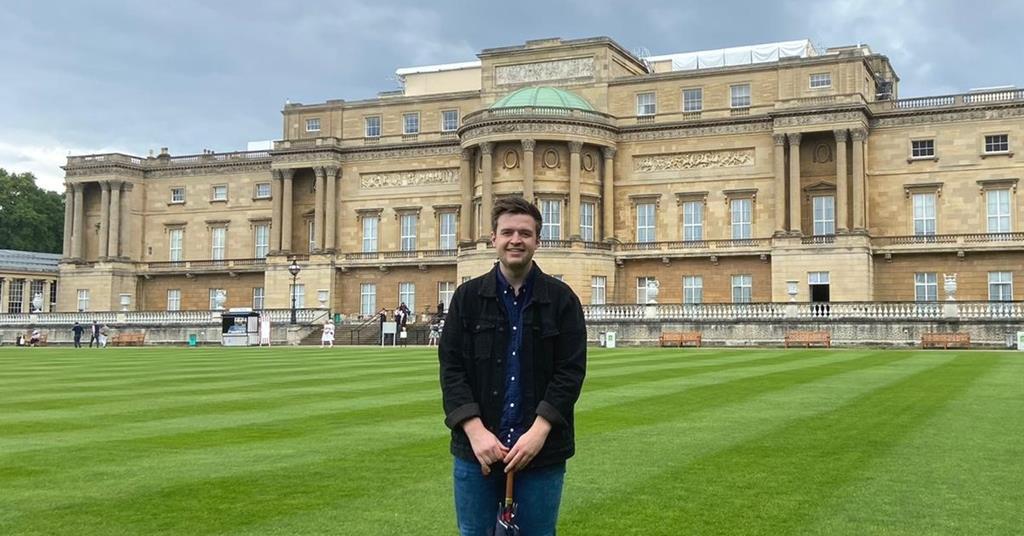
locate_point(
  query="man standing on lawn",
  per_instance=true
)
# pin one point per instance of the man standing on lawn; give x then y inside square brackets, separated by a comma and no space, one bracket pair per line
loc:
[513,355]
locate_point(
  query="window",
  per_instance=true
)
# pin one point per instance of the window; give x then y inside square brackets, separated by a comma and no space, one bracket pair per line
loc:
[598,285]
[367,299]
[407,295]
[174,299]
[693,220]
[824,207]
[175,238]
[15,297]
[214,292]
[924,214]
[998,143]
[53,295]
[446,232]
[741,288]
[645,222]
[922,148]
[408,238]
[817,278]
[298,293]
[551,212]
[693,289]
[998,202]
[370,224]
[178,194]
[372,126]
[741,218]
[411,123]
[641,289]
[1000,286]
[821,80]
[313,125]
[311,234]
[262,190]
[646,104]
[257,298]
[83,299]
[926,287]
[37,289]
[587,221]
[220,193]
[739,96]
[693,100]
[449,120]
[261,239]
[218,240]
[445,291]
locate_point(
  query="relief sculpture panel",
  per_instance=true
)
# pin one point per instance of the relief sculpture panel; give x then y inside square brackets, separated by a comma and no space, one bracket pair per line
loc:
[419,177]
[570,69]
[693,160]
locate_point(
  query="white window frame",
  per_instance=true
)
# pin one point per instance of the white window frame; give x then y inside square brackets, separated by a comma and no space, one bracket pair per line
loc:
[924,213]
[176,244]
[646,104]
[926,286]
[1000,286]
[646,222]
[178,195]
[408,223]
[367,299]
[219,192]
[218,242]
[998,211]
[311,234]
[823,210]
[83,299]
[297,290]
[445,292]
[641,288]
[739,96]
[997,143]
[174,299]
[213,297]
[372,126]
[259,298]
[587,210]
[693,289]
[819,80]
[447,230]
[263,190]
[313,124]
[691,103]
[741,214]
[261,240]
[449,123]
[407,295]
[922,149]
[410,123]
[16,296]
[742,288]
[371,229]
[598,290]
[551,212]
[693,220]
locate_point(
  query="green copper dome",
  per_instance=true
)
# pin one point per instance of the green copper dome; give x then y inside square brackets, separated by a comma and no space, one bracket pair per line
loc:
[542,96]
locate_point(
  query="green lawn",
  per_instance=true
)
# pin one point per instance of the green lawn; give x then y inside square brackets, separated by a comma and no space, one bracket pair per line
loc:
[351,441]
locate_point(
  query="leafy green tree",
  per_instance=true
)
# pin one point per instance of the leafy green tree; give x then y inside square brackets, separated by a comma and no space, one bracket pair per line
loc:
[31,218]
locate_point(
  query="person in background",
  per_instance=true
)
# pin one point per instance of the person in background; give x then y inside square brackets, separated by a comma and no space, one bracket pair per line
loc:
[77,330]
[34,338]
[95,334]
[327,337]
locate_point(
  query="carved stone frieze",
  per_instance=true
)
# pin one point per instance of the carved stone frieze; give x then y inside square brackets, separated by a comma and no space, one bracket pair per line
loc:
[818,119]
[538,128]
[208,170]
[568,69]
[948,117]
[695,131]
[693,160]
[419,177]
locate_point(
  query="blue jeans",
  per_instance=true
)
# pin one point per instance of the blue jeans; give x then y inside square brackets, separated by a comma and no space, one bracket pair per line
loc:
[538,493]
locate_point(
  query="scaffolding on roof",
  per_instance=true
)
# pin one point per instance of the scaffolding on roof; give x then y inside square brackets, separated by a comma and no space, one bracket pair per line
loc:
[744,55]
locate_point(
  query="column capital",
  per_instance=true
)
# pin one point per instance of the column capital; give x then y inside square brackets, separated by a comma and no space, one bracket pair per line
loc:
[77,186]
[840,134]
[105,185]
[858,134]
[115,184]
[284,173]
[486,148]
[467,154]
[794,138]
[319,172]
[608,152]
[529,144]
[575,146]
[779,139]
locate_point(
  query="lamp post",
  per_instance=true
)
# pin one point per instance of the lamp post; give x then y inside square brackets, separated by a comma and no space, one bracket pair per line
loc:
[294,270]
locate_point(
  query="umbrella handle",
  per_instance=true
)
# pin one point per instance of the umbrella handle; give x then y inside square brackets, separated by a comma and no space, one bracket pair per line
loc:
[509,486]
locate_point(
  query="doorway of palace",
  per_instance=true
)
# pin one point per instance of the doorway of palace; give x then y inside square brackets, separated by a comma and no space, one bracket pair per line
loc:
[819,292]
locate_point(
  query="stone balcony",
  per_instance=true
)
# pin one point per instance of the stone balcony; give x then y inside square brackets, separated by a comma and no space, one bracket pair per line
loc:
[693,248]
[204,266]
[962,100]
[960,243]
[391,259]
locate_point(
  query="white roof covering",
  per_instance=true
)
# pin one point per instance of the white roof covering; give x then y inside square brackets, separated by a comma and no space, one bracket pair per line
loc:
[745,55]
[437,68]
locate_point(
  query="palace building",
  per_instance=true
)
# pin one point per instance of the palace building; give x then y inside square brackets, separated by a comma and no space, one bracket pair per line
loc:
[733,175]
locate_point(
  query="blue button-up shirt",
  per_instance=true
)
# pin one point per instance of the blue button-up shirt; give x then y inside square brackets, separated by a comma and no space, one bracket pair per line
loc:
[515,304]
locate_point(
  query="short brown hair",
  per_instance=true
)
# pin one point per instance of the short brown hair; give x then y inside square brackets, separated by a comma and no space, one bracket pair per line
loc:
[514,204]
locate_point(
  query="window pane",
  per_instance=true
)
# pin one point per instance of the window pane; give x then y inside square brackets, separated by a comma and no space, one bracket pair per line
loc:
[373,127]
[367,299]
[447,232]
[693,289]
[370,233]
[998,202]
[741,218]
[741,288]
[598,285]
[824,215]
[693,100]
[693,220]
[407,295]
[587,221]
[924,214]
[740,96]
[409,222]
[645,216]
[551,211]
[645,104]
[262,241]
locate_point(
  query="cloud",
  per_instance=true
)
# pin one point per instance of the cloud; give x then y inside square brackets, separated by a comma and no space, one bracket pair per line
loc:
[44,160]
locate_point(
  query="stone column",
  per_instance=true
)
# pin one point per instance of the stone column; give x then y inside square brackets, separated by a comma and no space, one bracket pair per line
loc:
[79,223]
[286,209]
[114,249]
[124,238]
[528,147]
[69,215]
[331,207]
[46,295]
[487,193]
[104,219]
[318,209]
[26,295]
[466,195]
[275,211]
[794,183]
[608,194]
[842,186]
[5,289]
[779,166]
[858,136]
[573,216]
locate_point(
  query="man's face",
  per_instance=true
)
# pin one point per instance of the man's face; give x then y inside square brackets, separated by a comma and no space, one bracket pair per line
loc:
[515,240]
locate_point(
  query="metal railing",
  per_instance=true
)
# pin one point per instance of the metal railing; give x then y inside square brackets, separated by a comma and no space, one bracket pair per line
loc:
[825,311]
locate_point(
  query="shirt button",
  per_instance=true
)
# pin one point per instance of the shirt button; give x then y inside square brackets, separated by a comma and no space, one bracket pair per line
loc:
[513,352]
[513,378]
[494,393]
[512,405]
[514,328]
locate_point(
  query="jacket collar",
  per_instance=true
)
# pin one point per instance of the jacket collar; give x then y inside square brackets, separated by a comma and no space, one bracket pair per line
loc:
[540,288]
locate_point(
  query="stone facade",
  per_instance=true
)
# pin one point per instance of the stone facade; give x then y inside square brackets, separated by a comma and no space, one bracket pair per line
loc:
[782,180]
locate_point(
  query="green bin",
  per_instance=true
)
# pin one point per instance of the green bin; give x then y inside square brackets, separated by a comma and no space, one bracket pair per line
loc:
[337,318]
[193,339]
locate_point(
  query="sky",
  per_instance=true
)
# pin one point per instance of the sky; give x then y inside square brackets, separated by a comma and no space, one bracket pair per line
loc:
[133,76]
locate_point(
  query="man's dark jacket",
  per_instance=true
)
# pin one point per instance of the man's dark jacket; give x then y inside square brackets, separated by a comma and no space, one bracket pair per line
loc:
[553,362]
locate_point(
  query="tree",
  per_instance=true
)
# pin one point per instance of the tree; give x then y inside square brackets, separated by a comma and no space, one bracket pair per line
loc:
[31,218]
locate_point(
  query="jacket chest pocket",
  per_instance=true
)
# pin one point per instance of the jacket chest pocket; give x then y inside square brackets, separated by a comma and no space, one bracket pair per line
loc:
[483,334]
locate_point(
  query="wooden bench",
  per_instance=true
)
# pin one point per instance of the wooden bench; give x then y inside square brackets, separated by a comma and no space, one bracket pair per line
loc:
[807,338]
[128,339]
[945,340]
[679,338]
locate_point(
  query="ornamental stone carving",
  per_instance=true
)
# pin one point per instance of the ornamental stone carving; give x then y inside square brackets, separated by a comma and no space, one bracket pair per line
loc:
[419,177]
[511,159]
[947,117]
[608,152]
[518,129]
[400,152]
[570,69]
[587,161]
[819,119]
[693,160]
[550,159]
[529,145]
[687,132]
